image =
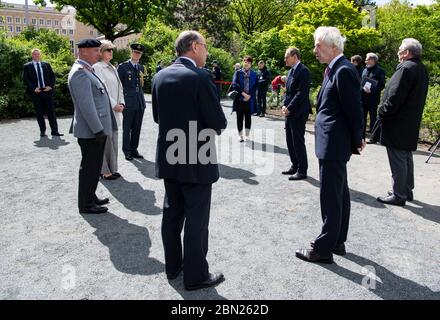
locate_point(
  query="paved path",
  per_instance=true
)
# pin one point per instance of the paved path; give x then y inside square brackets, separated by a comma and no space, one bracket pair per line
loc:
[49,251]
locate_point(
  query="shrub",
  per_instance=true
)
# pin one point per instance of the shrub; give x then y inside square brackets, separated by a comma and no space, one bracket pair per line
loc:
[431,113]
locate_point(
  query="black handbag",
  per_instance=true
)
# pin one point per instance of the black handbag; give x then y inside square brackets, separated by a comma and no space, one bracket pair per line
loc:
[233,95]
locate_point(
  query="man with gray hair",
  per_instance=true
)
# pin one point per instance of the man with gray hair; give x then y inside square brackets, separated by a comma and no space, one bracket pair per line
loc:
[338,134]
[185,101]
[372,84]
[400,114]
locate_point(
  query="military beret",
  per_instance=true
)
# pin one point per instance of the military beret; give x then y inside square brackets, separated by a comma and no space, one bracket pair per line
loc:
[137,47]
[89,43]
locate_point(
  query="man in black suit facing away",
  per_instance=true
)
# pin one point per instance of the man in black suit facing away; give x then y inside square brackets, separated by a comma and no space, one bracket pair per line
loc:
[185,104]
[338,134]
[296,109]
[39,80]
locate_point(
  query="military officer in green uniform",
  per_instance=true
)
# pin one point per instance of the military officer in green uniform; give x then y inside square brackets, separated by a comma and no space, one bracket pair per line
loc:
[132,74]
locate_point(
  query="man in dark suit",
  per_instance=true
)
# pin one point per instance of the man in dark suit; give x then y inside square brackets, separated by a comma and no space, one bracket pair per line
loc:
[296,109]
[186,107]
[132,74]
[39,80]
[93,121]
[400,114]
[338,134]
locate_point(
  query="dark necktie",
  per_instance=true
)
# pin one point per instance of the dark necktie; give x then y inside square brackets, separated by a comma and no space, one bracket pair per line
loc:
[40,76]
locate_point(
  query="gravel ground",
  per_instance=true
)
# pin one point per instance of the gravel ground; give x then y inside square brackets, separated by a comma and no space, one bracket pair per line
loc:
[258,219]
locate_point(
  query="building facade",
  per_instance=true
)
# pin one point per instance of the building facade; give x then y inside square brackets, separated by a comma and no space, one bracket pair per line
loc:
[13,20]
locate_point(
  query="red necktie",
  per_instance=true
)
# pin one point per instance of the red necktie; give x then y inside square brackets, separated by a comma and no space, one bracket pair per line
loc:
[326,72]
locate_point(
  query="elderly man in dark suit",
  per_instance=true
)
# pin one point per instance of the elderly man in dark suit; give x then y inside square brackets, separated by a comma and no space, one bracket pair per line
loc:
[131,73]
[400,114]
[338,134]
[93,121]
[296,109]
[186,107]
[39,80]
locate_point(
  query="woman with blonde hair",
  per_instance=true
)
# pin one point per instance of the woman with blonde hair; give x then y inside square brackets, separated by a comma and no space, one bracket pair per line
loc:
[109,76]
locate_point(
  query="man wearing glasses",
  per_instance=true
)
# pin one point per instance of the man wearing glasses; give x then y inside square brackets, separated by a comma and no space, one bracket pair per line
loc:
[131,74]
[400,114]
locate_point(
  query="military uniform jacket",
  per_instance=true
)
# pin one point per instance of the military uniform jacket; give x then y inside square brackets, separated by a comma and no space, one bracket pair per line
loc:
[93,112]
[131,82]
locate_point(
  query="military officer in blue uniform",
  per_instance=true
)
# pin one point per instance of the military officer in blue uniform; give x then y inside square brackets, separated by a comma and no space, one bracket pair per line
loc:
[131,74]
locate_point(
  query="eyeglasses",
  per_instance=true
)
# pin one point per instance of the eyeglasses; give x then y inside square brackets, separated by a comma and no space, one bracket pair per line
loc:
[203,44]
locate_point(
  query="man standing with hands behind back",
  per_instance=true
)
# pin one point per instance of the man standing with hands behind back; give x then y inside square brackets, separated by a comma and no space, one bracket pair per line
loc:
[185,96]
[93,121]
[131,74]
[40,82]
[338,134]
[296,109]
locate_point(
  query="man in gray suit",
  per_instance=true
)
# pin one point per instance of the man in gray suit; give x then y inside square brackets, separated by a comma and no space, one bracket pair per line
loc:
[93,121]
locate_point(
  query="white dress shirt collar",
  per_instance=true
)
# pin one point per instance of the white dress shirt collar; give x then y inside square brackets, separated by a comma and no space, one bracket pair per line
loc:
[330,65]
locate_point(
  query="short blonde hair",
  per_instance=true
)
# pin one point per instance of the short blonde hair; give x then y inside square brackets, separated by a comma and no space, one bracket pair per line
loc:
[106,44]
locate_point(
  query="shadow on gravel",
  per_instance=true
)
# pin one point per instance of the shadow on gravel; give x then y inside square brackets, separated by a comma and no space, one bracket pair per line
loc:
[356,196]
[129,244]
[133,196]
[232,173]
[265,147]
[202,294]
[146,168]
[54,143]
[388,285]
[424,210]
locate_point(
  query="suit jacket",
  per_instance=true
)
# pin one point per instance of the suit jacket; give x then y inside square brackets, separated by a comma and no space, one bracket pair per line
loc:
[378,74]
[30,76]
[402,104]
[130,79]
[93,112]
[182,93]
[238,85]
[339,120]
[297,98]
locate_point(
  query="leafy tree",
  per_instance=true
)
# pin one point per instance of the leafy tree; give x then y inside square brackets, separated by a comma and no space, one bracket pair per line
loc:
[251,16]
[114,19]
[207,15]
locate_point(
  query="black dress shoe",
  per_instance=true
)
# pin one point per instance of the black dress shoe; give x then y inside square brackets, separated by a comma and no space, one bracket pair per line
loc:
[57,134]
[392,200]
[43,134]
[213,279]
[100,202]
[339,249]
[93,210]
[409,198]
[298,176]
[290,171]
[128,157]
[110,177]
[137,155]
[172,276]
[311,256]
[371,142]
[117,174]
[262,115]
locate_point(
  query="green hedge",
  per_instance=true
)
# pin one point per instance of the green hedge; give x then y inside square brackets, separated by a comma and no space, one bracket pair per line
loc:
[14,53]
[431,113]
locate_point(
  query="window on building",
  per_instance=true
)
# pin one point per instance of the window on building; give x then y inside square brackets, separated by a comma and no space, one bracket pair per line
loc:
[41,22]
[17,20]
[2,20]
[91,32]
[17,29]
[56,22]
[69,23]
[24,21]
[72,46]
[11,28]
[48,22]
[71,32]
[64,31]
[34,21]
[9,19]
